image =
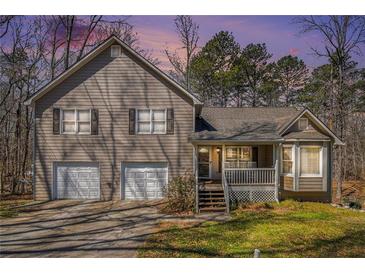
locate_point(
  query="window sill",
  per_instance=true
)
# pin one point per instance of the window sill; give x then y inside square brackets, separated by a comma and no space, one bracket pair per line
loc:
[76,134]
[151,134]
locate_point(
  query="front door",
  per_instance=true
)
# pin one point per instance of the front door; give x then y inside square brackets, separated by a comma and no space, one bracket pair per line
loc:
[204,162]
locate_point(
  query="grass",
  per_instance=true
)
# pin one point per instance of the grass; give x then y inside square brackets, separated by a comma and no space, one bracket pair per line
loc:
[8,208]
[288,229]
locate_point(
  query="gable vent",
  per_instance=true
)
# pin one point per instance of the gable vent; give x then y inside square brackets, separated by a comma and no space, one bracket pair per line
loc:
[303,123]
[116,51]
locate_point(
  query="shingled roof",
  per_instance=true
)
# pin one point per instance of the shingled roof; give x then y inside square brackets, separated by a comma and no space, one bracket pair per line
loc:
[243,124]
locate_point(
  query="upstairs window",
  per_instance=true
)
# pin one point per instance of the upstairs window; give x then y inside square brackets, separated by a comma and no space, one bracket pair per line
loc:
[287,160]
[303,123]
[76,121]
[151,121]
[116,51]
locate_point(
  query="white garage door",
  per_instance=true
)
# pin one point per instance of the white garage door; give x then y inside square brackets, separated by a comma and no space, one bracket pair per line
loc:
[77,181]
[144,181]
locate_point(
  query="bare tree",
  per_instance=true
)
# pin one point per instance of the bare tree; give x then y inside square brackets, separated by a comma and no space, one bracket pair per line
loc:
[342,37]
[21,70]
[68,22]
[188,34]
[4,24]
[94,21]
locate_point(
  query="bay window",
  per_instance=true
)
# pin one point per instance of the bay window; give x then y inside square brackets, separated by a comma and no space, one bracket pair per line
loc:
[287,160]
[310,161]
[151,121]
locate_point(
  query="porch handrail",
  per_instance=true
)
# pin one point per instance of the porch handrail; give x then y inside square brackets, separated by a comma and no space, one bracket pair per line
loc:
[261,168]
[240,164]
[226,192]
[250,176]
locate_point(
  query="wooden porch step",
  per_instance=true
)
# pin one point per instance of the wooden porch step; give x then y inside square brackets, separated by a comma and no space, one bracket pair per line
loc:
[211,209]
[212,203]
[211,188]
[212,198]
[211,193]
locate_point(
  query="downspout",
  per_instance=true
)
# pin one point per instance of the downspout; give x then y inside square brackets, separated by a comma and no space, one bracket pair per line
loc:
[196,180]
[34,151]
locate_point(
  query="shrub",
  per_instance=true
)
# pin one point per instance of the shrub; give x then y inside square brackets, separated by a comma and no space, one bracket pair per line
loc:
[180,194]
[355,205]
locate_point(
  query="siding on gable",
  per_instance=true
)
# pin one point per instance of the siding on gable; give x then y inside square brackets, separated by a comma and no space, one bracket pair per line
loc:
[311,127]
[111,85]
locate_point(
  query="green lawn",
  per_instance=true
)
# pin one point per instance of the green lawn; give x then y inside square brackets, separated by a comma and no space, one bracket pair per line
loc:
[288,229]
[8,208]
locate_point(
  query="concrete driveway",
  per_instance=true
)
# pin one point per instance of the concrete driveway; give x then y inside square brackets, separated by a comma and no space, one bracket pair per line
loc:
[79,229]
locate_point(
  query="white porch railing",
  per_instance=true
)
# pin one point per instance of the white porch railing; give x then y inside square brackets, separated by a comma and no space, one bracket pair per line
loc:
[250,176]
[240,164]
[251,184]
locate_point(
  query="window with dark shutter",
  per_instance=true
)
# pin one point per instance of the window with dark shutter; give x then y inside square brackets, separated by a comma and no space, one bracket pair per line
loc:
[132,121]
[170,121]
[94,122]
[56,121]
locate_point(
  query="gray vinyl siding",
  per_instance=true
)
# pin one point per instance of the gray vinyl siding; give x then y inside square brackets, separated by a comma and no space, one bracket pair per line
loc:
[310,184]
[111,85]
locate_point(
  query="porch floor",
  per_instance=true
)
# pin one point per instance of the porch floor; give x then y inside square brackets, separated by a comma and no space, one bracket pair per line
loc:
[210,185]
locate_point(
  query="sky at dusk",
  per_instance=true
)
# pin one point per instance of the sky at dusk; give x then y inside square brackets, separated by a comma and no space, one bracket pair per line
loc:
[279,33]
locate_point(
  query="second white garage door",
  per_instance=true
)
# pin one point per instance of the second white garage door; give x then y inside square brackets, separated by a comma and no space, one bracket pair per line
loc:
[144,181]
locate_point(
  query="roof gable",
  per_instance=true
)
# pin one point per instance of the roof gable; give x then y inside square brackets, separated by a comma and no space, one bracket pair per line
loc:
[95,52]
[308,114]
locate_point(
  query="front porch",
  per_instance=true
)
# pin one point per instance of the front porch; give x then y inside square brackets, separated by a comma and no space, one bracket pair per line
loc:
[239,173]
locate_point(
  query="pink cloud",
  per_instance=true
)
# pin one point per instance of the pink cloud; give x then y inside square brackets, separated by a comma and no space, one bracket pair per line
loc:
[157,41]
[293,51]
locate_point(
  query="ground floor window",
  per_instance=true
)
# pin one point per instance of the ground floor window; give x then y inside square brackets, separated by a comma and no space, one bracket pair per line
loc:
[239,157]
[287,160]
[310,161]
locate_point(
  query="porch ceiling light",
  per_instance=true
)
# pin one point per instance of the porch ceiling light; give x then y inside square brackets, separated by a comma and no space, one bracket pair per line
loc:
[218,149]
[203,150]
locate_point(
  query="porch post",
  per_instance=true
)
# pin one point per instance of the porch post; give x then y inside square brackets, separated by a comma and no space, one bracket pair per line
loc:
[223,159]
[195,173]
[277,170]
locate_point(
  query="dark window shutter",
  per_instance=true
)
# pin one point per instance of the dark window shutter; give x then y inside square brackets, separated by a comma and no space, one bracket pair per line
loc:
[170,121]
[94,122]
[56,121]
[132,121]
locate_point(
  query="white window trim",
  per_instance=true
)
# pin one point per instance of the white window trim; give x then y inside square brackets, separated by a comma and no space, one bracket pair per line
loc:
[119,51]
[75,120]
[306,121]
[306,175]
[150,132]
[292,160]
